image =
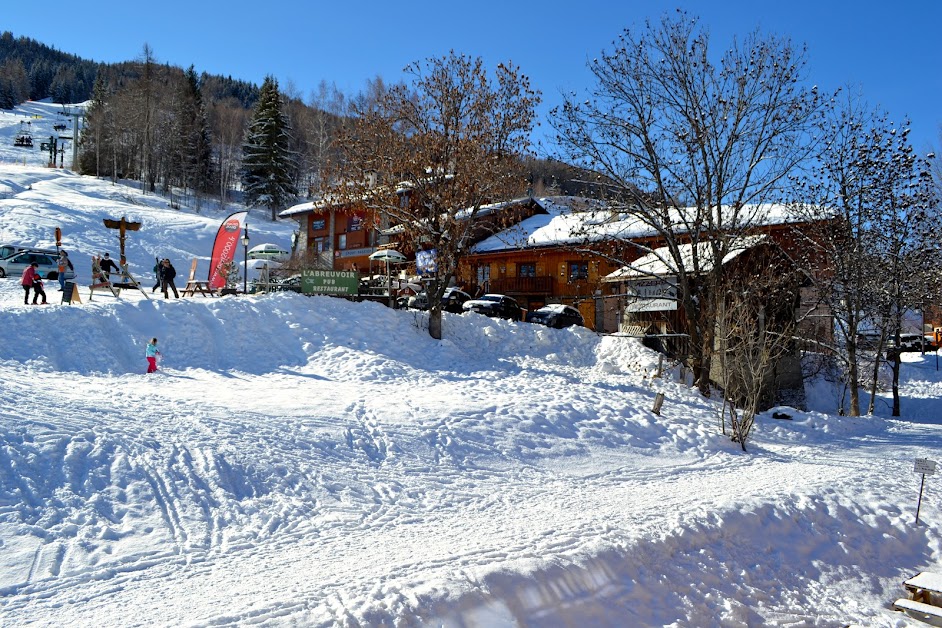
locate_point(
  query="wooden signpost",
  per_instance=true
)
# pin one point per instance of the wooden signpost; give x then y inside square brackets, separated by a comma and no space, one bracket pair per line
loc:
[127,281]
[122,226]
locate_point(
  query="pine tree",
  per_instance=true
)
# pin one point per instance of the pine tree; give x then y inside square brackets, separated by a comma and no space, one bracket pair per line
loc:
[268,164]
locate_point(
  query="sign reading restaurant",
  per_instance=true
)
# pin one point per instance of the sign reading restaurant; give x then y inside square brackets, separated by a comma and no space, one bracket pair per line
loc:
[652,295]
[341,282]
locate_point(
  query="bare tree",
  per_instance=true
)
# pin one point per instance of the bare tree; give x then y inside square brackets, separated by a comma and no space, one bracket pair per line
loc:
[327,106]
[871,255]
[228,120]
[670,125]
[446,146]
[906,236]
[755,328]
[147,91]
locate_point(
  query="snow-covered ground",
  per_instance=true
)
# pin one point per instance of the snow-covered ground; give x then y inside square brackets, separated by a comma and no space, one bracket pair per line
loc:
[318,462]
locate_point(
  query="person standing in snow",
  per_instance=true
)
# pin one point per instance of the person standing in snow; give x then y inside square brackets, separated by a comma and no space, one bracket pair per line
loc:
[38,289]
[107,266]
[167,273]
[151,354]
[27,281]
[64,264]
[156,274]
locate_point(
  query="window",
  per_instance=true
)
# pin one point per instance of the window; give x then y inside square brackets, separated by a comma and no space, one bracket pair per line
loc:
[319,245]
[342,241]
[527,269]
[578,271]
[484,275]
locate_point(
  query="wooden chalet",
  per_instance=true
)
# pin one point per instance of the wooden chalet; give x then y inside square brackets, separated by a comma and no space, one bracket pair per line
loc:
[544,258]
[342,237]
[566,253]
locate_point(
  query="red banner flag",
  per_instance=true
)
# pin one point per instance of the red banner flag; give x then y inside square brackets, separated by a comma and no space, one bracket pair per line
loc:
[225,248]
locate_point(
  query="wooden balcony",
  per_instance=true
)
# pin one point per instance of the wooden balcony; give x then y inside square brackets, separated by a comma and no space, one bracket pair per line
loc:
[522,285]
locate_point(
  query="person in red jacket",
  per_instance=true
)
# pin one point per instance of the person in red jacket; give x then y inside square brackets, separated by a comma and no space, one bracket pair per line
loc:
[29,276]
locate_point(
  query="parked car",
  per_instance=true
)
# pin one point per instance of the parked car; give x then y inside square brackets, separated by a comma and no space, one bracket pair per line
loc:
[911,342]
[495,305]
[287,284]
[14,265]
[556,315]
[268,251]
[453,300]
[7,250]
[907,342]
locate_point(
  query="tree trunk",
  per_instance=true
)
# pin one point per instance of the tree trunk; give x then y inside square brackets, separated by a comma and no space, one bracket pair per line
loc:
[876,377]
[854,377]
[896,369]
[435,322]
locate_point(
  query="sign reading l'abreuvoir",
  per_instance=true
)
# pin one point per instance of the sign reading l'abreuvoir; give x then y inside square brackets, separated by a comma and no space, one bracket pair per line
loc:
[341,282]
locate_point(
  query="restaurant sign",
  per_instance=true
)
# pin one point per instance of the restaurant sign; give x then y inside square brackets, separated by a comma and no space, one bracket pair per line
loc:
[340,282]
[652,295]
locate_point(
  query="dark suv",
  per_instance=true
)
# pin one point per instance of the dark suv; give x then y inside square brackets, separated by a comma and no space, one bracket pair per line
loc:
[452,300]
[556,315]
[495,305]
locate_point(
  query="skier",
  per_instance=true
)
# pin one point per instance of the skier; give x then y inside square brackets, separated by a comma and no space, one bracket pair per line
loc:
[151,354]
[156,275]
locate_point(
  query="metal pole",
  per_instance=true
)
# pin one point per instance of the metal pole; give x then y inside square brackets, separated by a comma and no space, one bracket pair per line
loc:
[245,260]
[75,136]
[919,503]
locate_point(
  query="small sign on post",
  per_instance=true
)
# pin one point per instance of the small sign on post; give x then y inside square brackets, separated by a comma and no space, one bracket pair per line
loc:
[924,467]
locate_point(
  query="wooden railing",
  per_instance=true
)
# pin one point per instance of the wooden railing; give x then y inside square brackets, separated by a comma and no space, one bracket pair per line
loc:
[522,285]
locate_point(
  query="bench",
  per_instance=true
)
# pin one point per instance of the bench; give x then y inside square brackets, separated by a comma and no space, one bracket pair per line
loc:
[923,585]
[193,286]
[905,604]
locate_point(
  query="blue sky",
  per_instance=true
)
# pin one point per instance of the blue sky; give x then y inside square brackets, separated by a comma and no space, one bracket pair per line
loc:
[889,51]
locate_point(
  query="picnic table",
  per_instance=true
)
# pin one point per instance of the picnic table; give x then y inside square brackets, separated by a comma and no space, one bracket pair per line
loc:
[925,595]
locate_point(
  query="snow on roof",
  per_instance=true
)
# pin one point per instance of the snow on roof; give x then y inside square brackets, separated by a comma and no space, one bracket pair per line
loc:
[554,307]
[659,262]
[294,210]
[571,220]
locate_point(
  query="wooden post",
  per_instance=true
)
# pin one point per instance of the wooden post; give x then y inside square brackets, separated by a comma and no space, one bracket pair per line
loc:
[658,401]
[660,365]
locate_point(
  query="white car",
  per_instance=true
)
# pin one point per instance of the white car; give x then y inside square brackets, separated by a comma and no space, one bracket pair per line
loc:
[268,251]
[8,250]
[14,265]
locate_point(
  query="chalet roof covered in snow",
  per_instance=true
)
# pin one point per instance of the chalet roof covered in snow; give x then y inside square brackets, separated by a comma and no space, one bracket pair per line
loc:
[660,263]
[574,220]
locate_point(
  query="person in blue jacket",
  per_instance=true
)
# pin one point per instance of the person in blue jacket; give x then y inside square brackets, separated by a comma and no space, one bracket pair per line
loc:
[151,354]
